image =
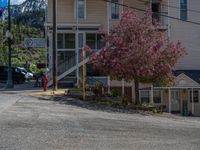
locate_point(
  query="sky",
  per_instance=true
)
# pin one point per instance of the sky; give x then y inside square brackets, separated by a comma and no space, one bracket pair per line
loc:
[16,1]
[4,2]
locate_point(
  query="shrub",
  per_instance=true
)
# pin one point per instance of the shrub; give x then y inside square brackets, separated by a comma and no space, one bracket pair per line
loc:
[113,93]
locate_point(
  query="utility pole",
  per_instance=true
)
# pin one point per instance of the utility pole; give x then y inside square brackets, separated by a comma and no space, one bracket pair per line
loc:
[9,36]
[55,86]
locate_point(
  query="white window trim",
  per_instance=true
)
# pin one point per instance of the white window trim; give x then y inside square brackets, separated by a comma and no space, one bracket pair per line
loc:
[75,10]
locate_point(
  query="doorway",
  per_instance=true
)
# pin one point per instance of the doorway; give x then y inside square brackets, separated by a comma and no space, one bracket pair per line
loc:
[175,101]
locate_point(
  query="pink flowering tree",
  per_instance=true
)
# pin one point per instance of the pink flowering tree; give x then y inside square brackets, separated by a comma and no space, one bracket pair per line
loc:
[137,50]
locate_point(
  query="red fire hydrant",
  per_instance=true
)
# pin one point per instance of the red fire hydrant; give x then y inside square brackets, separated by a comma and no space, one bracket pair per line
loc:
[45,83]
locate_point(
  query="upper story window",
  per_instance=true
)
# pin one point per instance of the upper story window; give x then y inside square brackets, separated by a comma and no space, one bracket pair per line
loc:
[156,10]
[66,41]
[81,9]
[183,10]
[115,9]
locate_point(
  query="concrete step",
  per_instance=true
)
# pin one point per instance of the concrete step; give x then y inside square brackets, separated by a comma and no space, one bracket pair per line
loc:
[65,84]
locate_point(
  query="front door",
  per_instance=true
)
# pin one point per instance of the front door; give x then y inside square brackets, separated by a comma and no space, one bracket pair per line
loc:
[175,101]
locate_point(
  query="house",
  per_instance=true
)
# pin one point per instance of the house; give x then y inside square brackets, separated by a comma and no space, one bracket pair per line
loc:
[78,24]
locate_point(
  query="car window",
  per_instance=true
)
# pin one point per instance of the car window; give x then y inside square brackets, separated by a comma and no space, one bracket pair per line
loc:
[17,70]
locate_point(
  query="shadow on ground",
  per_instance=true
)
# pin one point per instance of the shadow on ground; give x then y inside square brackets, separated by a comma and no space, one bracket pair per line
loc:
[27,86]
[91,105]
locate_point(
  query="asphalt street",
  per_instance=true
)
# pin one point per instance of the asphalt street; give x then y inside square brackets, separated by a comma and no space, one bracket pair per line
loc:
[32,123]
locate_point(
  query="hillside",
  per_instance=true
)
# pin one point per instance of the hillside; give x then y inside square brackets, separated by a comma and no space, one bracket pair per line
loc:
[30,12]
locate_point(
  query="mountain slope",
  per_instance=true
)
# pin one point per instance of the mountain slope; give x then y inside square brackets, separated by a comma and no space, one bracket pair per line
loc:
[30,12]
[32,5]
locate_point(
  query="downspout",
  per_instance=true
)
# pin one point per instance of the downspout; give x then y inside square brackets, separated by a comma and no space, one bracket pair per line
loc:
[108,30]
[46,46]
[77,42]
[169,26]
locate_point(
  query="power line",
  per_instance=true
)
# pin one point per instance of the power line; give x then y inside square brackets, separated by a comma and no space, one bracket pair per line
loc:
[175,7]
[158,13]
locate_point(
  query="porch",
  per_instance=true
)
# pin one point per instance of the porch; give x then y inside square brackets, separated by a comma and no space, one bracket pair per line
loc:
[174,99]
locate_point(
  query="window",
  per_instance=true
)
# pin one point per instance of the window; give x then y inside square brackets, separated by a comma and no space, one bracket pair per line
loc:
[145,96]
[80,45]
[195,96]
[115,9]
[157,96]
[94,41]
[70,41]
[156,11]
[81,9]
[175,97]
[60,41]
[66,41]
[100,43]
[183,10]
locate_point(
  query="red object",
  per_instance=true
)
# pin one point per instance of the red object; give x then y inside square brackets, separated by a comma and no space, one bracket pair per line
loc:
[41,66]
[45,83]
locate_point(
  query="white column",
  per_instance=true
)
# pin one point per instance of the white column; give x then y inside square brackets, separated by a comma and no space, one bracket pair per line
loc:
[151,99]
[170,107]
[192,101]
[123,91]
[133,91]
[109,84]
[188,99]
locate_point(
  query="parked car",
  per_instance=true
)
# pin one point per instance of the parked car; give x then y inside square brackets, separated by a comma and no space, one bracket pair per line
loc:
[18,76]
[28,74]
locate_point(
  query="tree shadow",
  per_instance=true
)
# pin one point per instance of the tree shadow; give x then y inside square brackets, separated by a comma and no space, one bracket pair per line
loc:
[91,105]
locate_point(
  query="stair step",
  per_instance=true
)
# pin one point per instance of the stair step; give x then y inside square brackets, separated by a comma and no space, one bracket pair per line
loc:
[65,84]
[78,93]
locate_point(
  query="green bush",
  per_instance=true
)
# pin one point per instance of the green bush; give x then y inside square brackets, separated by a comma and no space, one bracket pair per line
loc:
[113,93]
[152,108]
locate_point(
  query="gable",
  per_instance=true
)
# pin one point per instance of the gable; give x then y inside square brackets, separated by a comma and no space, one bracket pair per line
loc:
[183,80]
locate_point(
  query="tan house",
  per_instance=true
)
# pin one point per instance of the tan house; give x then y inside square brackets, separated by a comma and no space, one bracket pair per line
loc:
[78,24]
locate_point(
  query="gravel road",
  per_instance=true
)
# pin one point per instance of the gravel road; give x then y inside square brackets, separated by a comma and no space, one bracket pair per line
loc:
[29,123]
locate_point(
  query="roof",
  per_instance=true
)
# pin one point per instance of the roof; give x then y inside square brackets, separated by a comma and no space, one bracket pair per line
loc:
[193,74]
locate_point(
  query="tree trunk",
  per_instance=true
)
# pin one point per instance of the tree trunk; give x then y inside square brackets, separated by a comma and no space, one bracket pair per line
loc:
[137,101]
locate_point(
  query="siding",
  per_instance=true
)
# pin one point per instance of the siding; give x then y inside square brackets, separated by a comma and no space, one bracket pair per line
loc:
[187,33]
[96,12]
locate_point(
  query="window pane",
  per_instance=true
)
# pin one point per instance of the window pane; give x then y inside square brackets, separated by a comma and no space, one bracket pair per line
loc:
[145,96]
[157,97]
[195,96]
[91,40]
[81,9]
[60,41]
[80,40]
[100,44]
[115,9]
[70,41]
[156,11]
[183,10]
